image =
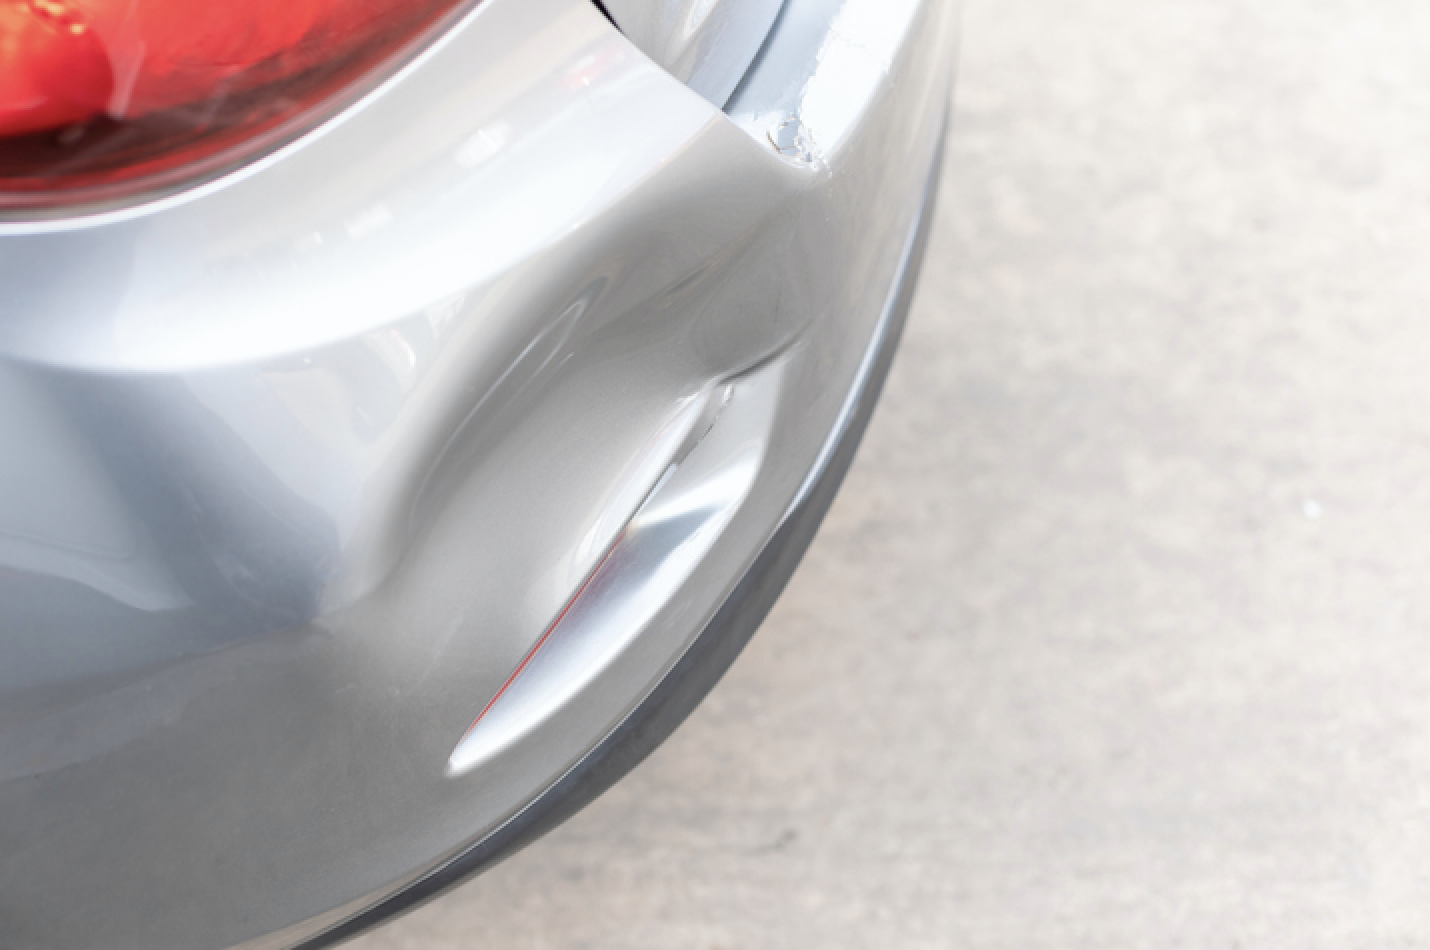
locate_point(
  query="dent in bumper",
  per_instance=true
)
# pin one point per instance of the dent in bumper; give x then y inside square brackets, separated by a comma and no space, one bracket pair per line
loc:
[345,422]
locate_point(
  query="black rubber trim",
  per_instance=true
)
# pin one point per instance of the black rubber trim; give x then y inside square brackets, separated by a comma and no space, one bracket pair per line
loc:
[713,651]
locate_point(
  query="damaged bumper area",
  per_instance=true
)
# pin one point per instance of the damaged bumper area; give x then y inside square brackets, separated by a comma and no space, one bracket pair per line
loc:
[371,509]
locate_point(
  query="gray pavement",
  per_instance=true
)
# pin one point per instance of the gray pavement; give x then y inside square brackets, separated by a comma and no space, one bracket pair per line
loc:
[1119,634]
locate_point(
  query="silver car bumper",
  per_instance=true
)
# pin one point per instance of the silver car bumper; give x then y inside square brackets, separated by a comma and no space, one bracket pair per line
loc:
[532,361]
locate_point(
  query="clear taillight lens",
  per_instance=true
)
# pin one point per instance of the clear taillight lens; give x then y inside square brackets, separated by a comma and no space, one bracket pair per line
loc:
[103,100]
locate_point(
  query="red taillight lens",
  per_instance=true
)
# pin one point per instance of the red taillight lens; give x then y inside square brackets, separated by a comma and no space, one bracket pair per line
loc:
[106,99]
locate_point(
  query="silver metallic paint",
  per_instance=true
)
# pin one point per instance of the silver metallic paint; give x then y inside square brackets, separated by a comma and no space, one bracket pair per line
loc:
[302,464]
[658,549]
[707,44]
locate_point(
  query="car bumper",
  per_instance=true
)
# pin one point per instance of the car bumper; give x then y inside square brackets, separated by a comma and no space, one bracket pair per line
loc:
[547,353]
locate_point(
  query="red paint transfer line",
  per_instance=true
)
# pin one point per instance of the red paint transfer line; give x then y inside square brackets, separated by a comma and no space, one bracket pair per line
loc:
[545,636]
[584,584]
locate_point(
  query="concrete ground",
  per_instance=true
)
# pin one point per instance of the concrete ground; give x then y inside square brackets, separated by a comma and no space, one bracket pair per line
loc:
[1119,633]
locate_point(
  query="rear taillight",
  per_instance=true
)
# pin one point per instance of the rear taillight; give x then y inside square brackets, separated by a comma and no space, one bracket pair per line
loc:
[104,100]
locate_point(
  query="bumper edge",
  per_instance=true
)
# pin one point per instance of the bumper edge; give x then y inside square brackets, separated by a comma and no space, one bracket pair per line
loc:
[717,646]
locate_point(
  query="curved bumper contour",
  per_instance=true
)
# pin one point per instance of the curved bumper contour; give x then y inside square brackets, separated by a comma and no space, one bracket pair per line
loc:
[367,512]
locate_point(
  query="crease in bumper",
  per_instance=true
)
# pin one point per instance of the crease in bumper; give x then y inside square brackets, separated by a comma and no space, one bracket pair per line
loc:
[351,515]
[721,640]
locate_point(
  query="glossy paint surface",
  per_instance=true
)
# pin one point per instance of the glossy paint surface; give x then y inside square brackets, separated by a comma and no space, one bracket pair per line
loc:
[301,465]
[707,44]
[658,549]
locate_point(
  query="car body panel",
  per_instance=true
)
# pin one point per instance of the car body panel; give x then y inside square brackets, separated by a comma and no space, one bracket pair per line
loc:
[706,44]
[308,459]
